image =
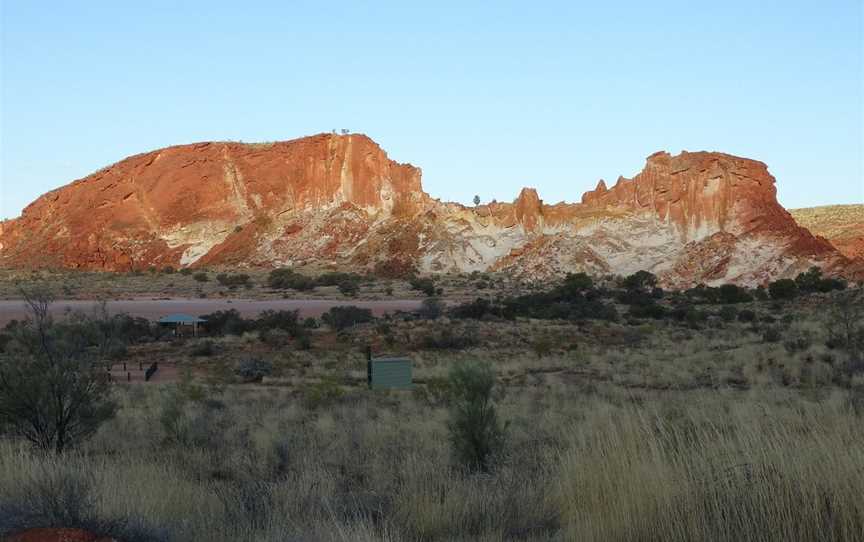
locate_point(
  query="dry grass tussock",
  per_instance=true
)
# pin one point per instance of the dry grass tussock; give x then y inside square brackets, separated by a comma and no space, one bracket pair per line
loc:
[605,464]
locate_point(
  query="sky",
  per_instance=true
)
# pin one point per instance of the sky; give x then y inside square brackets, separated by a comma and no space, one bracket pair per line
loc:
[485,97]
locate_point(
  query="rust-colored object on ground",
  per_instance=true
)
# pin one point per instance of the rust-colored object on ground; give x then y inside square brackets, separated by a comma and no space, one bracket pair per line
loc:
[338,201]
[58,535]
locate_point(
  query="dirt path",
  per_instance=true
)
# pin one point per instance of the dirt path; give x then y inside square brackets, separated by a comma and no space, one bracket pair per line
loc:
[155,308]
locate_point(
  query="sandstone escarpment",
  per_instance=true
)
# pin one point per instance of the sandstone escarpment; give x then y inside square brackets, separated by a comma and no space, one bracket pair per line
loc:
[331,200]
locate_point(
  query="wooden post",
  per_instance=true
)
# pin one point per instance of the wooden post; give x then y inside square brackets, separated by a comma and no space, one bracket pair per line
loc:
[124,365]
[128,377]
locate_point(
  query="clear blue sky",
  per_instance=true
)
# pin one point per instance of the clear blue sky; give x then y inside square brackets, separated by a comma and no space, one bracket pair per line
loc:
[486,98]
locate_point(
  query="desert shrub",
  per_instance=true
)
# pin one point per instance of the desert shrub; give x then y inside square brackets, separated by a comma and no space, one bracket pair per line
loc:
[349,288]
[340,318]
[203,349]
[731,293]
[226,323]
[813,281]
[772,335]
[168,270]
[783,289]
[574,285]
[274,337]
[253,369]
[58,497]
[233,281]
[288,321]
[640,280]
[649,310]
[334,278]
[798,343]
[476,309]
[448,339]
[425,285]
[430,309]
[746,315]
[201,276]
[52,394]
[476,433]
[310,323]
[542,347]
[285,279]
[728,313]
[185,271]
[322,393]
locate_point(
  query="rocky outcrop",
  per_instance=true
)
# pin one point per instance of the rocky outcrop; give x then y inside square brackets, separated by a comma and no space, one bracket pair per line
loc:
[339,201]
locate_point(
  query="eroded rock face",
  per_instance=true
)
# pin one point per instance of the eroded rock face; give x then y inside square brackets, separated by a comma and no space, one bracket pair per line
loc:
[329,200]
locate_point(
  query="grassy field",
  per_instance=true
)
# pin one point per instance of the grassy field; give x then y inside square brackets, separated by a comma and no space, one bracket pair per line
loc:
[714,428]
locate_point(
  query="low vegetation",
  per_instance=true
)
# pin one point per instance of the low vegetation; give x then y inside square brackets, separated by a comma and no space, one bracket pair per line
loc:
[596,408]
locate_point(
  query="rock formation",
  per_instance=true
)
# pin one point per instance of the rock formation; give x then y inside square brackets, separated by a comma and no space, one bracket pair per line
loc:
[339,201]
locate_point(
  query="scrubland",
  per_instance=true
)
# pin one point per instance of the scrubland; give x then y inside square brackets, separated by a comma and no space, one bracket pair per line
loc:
[710,425]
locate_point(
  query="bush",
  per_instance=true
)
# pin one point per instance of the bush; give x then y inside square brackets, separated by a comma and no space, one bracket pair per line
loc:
[641,280]
[226,322]
[475,431]
[448,339]
[253,369]
[168,270]
[201,276]
[730,293]
[772,335]
[430,309]
[233,281]
[728,314]
[340,318]
[349,288]
[476,309]
[185,271]
[285,279]
[203,349]
[746,315]
[288,321]
[425,285]
[783,289]
[52,393]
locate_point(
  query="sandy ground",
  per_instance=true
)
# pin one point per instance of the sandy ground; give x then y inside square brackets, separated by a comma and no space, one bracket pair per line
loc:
[154,309]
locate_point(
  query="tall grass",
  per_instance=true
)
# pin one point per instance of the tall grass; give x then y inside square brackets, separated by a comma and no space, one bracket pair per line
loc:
[258,465]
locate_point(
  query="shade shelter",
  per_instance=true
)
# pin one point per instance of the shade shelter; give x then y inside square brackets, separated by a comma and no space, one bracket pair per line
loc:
[182,323]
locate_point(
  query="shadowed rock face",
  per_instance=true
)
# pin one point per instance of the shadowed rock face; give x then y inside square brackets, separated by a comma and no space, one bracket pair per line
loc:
[331,200]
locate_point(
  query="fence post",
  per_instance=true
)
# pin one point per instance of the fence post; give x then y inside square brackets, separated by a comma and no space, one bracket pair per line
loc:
[128,377]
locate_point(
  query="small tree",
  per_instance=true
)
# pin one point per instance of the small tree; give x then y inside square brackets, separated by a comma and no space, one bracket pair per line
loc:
[54,392]
[475,431]
[783,289]
[476,201]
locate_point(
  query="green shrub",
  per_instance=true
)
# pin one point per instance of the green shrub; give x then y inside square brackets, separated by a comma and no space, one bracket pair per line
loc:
[349,288]
[783,289]
[253,369]
[285,279]
[730,293]
[233,281]
[430,309]
[203,349]
[448,339]
[728,314]
[340,318]
[201,276]
[476,433]
[425,285]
